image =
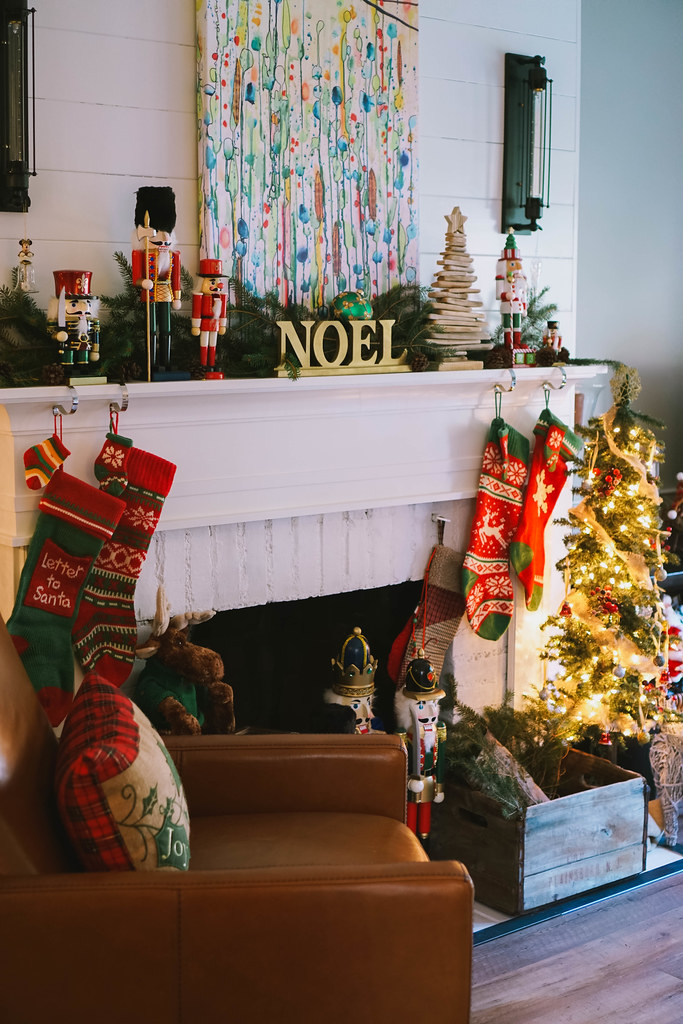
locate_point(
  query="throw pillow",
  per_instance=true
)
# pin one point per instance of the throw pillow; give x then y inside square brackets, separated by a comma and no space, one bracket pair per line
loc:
[118,791]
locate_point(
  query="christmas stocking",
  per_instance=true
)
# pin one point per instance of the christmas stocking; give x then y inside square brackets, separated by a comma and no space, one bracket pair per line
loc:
[110,464]
[105,634]
[486,573]
[554,444]
[73,522]
[42,460]
[436,618]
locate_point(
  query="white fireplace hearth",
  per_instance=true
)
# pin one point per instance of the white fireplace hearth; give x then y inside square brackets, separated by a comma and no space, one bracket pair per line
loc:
[292,489]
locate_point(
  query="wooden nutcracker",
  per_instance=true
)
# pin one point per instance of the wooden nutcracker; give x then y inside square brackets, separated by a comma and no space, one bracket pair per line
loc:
[156,271]
[73,322]
[511,292]
[354,684]
[209,314]
[417,713]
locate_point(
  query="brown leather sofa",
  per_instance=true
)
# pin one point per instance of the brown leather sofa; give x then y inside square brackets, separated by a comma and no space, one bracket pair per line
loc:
[307,898]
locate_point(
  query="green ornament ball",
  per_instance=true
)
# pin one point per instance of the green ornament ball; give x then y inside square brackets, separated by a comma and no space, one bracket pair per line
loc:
[351,306]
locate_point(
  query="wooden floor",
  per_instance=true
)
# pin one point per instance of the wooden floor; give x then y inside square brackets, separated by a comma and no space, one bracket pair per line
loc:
[618,962]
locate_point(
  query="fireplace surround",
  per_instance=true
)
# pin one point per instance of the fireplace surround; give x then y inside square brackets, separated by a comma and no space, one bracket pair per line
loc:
[295,489]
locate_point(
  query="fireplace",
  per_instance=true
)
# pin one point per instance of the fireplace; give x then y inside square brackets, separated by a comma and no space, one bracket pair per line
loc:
[287,491]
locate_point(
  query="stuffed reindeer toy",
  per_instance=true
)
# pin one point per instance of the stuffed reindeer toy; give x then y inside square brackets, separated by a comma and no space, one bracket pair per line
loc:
[181,688]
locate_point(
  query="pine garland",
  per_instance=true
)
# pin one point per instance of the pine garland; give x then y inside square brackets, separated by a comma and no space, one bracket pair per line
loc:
[25,343]
[250,347]
[123,334]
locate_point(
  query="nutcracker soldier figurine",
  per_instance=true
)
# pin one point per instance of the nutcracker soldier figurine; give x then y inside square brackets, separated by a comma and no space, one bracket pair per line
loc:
[209,319]
[511,292]
[72,320]
[156,271]
[417,712]
[354,684]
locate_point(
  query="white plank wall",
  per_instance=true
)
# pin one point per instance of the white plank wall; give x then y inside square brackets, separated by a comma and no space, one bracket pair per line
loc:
[115,109]
[462,47]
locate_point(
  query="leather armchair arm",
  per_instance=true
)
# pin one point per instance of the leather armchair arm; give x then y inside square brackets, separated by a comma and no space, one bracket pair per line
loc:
[303,944]
[291,772]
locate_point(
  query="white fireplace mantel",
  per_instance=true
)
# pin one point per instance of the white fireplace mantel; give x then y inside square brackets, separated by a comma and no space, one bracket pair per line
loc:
[290,489]
[252,450]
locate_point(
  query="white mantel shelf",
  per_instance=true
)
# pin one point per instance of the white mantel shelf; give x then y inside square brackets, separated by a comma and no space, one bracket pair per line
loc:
[252,450]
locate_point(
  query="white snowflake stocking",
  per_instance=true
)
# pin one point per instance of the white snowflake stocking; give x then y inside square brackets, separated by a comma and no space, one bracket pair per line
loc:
[554,445]
[486,572]
[105,633]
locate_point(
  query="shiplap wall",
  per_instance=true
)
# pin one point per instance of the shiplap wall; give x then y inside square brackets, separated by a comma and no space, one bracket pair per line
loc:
[115,109]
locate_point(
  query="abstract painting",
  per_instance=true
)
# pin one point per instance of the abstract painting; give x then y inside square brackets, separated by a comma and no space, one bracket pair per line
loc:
[307,113]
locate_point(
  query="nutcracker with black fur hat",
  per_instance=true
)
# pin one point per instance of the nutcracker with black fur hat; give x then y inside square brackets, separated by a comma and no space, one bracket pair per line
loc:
[72,319]
[156,271]
[354,683]
[209,314]
[417,714]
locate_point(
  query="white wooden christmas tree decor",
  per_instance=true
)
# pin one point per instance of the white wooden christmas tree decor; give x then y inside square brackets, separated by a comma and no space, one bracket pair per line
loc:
[457,312]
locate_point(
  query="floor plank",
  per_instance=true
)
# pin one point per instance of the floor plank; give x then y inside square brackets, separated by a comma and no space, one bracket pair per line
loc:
[619,961]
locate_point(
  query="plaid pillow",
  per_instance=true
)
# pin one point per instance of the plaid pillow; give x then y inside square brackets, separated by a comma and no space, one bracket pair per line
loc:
[118,792]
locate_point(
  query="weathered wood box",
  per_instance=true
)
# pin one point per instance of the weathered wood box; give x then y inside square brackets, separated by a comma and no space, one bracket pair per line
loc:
[594,834]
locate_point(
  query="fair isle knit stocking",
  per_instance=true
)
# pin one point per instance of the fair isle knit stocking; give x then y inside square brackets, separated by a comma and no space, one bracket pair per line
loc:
[74,519]
[105,634]
[110,464]
[486,572]
[554,445]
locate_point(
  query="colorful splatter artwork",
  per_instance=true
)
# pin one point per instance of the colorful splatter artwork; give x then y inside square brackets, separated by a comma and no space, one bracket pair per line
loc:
[307,116]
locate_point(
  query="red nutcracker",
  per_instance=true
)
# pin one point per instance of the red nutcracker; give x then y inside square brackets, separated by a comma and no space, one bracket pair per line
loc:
[156,270]
[209,309]
[552,337]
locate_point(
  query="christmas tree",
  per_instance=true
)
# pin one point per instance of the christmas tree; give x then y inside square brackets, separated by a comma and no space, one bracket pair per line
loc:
[609,642]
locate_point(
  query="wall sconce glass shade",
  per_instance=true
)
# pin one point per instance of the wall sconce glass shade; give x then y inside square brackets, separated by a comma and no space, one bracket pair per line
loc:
[526,143]
[14,106]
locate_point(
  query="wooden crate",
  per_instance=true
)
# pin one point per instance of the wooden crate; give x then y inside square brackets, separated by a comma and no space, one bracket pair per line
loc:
[593,835]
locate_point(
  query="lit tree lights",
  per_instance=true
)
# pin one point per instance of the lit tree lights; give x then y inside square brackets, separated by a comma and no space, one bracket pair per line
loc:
[608,646]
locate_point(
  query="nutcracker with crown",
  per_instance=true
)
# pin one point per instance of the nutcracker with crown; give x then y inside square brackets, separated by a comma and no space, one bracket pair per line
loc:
[354,680]
[417,713]
[156,272]
[511,292]
[209,314]
[73,322]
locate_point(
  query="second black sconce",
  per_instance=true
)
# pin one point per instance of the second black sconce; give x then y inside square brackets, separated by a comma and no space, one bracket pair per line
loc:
[17,150]
[526,143]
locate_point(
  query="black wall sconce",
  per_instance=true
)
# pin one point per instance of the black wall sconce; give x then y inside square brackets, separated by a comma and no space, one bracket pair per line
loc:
[14,105]
[526,143]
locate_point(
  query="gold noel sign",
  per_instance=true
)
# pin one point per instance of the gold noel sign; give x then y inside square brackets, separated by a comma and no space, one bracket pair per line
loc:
[339,347]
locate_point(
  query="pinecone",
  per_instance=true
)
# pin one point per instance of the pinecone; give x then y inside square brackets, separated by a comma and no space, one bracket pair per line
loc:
[420,362]
[6,374]
[500,357]
[130,370]
[546,356]
[53,374]
[196,370]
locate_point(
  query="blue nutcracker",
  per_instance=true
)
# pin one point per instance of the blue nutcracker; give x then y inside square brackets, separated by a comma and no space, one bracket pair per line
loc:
[354,680]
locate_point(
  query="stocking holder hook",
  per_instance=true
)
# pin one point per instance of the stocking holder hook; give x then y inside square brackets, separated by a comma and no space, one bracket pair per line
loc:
[59,410]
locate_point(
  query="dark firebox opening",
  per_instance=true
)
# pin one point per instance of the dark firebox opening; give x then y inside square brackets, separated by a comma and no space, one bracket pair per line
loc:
[278,656]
